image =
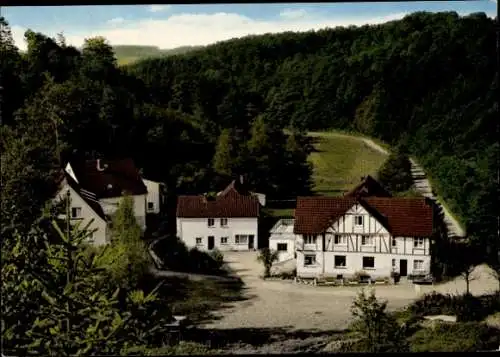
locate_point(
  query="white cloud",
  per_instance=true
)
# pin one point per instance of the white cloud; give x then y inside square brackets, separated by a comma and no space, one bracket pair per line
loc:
[159,8]
[293,13]
[116,21]
[190,29]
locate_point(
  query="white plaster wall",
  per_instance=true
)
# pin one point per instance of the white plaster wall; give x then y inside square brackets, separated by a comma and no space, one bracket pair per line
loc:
[188,229]
[354,263]
[153,195]
[87,213]
[289,239]
[110,205]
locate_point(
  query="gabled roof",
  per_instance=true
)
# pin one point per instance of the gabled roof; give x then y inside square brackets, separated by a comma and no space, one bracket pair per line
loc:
[401,216]
[368,187]
[114,177]
[229,203]
[86,196]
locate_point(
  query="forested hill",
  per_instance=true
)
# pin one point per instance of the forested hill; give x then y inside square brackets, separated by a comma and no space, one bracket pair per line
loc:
[427,81]
[128,54]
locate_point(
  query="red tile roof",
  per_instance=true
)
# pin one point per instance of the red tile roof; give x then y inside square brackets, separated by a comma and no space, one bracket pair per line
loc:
[117,177]
[230,203]
[411,217]
[368,187]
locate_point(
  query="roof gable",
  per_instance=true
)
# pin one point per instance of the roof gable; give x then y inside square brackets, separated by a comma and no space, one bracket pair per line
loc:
[87,197]
[400,216]
[368,187]
[109,178]
[228,203]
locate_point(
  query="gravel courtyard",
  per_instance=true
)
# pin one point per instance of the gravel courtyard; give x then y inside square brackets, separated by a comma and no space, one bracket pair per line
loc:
[283,304]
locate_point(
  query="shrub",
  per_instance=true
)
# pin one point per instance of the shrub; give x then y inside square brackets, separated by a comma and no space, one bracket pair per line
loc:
[218,258]
[379,330]
[459,337]
[465,307]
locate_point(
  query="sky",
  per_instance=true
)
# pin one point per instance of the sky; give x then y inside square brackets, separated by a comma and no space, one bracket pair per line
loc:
[170,26]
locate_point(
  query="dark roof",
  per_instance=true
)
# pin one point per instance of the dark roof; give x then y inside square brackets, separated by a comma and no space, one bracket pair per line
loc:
[228,203]
[368,187]
[401,216]
[88,197]
[118,176]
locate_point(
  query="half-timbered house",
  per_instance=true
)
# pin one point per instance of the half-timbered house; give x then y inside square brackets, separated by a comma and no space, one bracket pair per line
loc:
[340,236]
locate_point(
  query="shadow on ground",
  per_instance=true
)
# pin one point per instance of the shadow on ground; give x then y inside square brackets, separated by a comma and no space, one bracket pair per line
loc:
[259,337]
[199,300]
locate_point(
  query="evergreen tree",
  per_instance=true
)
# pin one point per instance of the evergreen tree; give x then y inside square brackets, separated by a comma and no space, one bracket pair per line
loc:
[395,174]
[224,159]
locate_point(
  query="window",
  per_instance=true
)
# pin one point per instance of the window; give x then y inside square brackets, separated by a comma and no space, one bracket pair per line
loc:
[358,220]
[282,247]
[151,206]
[338,239]
[223,222]
[368,262]
[211,222]
[309,259]
[309,239]
[340,261]
[418,242]
[76,212]
[366,240]
[198,241]
[394,263]
[393,242]
[223,240]
[418,265]
[241,239]
[90,238]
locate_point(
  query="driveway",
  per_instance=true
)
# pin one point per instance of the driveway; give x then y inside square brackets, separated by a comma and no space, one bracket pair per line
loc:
[278,304]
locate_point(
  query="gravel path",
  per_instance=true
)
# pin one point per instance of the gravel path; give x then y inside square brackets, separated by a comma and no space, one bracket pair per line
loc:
[283,304]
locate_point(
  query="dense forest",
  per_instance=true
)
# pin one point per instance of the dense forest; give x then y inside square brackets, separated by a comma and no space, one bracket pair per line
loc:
[427,82]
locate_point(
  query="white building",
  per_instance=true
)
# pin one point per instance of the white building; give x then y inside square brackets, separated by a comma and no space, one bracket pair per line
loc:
[282,239]
[97,186]
[228,221]
[340,236]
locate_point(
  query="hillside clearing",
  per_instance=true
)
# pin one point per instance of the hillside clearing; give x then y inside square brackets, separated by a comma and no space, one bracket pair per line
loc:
[340,160]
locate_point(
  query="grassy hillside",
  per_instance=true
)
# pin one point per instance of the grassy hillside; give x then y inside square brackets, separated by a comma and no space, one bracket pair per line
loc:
[130,54]
[339,161]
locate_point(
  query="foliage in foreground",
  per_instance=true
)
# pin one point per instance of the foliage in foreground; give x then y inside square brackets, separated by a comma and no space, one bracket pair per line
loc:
[465,307]
[459,337]
[58,301]
[379,330]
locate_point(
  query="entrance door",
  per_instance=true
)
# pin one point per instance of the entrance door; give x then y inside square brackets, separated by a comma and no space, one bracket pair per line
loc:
[250,241]
[403,267]
[211,242]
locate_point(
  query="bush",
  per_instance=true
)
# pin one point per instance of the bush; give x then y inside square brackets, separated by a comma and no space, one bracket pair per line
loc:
[218,258]
[361,276]
[465,307]
[459,337]
[176,256]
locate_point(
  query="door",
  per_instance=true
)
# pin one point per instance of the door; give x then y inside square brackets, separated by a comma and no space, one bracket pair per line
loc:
[211,242]
[403,267]
[250,241]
